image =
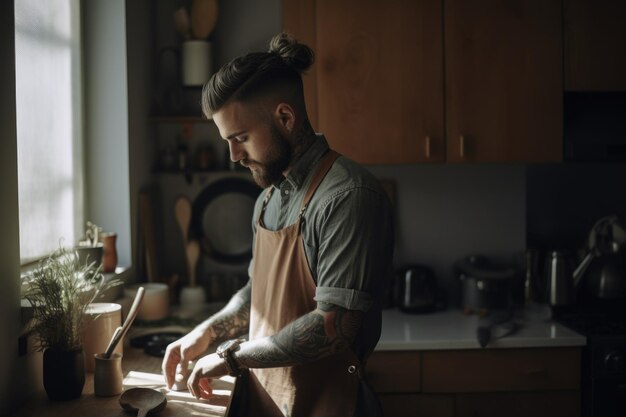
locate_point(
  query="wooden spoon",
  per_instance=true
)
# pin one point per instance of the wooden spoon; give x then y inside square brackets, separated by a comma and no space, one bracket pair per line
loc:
[120,332]
[203,18]
[193,253]
[182,210]
[142,400]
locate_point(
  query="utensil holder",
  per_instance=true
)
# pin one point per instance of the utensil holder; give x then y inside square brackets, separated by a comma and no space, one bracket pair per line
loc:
[107,379]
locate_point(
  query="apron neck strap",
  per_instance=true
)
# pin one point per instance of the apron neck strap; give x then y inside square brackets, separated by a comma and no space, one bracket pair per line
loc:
[322,169]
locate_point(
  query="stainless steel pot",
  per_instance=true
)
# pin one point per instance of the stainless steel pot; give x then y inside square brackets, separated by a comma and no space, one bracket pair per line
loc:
[484,286]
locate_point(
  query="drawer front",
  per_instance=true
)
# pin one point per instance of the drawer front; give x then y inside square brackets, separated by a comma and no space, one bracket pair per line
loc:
[519,404]
[501,370]
[394,372]
[412,405]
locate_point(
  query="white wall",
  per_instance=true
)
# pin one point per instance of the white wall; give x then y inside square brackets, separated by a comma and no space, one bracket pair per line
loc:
[446,212]
[106,121]
[139,43]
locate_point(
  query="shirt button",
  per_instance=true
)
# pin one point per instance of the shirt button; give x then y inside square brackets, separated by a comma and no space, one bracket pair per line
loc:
[286,192]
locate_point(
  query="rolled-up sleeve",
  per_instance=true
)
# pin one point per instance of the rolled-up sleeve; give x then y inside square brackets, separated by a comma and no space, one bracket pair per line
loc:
[355,244]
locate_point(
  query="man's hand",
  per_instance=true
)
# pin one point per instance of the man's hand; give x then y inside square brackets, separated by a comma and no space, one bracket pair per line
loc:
[207,368]
[183,351]
[232,321]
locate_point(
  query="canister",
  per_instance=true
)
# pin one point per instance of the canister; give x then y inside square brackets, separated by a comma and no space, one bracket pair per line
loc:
[101,321]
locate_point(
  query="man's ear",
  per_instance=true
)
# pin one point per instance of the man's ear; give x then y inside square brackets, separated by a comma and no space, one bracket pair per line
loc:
[285,117]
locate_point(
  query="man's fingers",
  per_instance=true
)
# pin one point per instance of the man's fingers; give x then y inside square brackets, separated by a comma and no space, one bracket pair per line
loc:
[205,388]
[192,383]
[171,359]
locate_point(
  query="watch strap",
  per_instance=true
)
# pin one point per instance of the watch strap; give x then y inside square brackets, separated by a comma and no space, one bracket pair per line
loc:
[226,351]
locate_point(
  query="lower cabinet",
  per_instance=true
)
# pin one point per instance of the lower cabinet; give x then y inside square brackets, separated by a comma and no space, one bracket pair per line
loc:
[477,383]
[417,405]
[518,404]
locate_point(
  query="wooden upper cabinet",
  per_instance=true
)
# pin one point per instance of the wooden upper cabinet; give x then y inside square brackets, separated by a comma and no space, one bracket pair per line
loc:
[377,84]
[595,45]
[504,87]
[377,88]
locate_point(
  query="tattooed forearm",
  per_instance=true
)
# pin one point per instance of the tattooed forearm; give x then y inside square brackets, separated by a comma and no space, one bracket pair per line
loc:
[324,331]
[233,320]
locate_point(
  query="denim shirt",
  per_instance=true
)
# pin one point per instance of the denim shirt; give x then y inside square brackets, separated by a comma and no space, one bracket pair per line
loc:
[347,232]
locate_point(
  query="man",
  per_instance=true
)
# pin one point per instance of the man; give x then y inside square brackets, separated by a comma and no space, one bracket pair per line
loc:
[323,243]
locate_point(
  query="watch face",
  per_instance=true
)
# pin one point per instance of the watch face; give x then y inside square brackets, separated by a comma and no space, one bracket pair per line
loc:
[227,345]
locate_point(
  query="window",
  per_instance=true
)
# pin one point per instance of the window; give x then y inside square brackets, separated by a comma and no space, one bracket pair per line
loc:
[49,125]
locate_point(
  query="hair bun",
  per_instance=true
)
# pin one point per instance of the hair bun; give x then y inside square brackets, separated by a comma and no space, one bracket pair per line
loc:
[297,55]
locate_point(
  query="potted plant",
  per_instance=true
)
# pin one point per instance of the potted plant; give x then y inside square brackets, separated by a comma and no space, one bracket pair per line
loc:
[89,248]
[59,291]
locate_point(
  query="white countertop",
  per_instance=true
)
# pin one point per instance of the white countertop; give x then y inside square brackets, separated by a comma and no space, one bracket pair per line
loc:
[451,329]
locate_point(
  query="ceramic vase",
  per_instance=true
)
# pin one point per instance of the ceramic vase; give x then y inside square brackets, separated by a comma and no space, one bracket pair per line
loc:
[63,373]
[109,256]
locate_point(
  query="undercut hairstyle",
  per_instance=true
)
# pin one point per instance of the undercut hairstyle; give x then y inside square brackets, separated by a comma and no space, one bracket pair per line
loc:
[258,74]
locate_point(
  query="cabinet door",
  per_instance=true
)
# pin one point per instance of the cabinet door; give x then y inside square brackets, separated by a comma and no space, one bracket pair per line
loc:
[595,45]
[412,405]
[504,87]
[519,404]
[501,370]
[394,372]
[378,76]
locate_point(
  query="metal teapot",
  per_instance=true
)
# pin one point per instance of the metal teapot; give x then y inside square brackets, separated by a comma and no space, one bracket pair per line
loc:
[603,269]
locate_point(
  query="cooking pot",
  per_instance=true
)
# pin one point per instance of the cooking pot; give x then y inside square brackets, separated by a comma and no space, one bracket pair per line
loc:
[416,290]
[484,285]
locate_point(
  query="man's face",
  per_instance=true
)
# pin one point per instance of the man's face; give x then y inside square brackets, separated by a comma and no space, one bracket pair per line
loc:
[254,141]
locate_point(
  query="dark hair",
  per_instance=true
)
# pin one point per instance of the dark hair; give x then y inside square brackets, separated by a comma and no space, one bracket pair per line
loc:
[258,73]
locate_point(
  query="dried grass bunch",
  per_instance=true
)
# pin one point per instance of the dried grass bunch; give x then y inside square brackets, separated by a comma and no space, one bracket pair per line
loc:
[60,289]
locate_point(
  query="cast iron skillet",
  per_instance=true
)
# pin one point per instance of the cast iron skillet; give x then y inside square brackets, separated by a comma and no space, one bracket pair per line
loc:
[221,219]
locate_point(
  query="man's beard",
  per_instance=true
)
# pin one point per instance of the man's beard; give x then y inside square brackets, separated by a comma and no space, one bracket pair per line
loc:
[279,158]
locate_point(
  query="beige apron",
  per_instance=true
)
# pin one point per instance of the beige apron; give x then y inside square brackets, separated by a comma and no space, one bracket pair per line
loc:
[283,290]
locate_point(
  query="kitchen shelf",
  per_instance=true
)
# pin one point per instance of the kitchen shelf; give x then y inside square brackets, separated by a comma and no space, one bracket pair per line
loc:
[194,171]
[180,119]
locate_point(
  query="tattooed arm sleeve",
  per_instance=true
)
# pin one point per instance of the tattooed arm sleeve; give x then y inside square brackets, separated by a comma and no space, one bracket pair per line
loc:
[322,332]
[231,321]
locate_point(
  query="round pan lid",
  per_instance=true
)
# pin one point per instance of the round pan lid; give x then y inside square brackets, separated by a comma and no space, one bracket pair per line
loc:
[221,219]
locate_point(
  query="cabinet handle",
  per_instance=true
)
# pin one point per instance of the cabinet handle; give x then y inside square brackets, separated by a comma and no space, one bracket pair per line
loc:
[462,146]
[427,150]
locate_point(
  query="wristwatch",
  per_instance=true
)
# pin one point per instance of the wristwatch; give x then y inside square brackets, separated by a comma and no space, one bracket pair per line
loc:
[226,351]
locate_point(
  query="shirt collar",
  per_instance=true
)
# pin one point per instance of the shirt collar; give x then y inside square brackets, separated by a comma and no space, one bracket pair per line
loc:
[302,167]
